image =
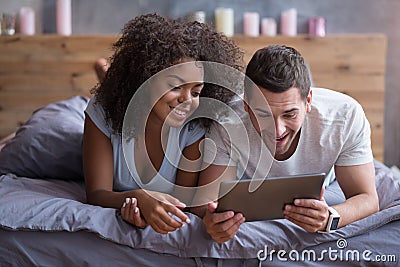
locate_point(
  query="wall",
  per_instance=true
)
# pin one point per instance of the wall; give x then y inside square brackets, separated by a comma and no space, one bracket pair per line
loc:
[343,16]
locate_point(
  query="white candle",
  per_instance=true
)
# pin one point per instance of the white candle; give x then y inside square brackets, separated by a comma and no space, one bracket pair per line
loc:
[64,17]
[199,16]
[27,21]
[268,27]
[224,21]
[289,22]
[251,24]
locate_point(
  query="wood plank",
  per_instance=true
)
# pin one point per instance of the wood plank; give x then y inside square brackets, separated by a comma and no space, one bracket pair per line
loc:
[30,84]
[45,48]
[40,69]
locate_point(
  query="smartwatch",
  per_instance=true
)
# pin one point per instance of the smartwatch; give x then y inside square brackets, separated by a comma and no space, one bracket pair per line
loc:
[333,221]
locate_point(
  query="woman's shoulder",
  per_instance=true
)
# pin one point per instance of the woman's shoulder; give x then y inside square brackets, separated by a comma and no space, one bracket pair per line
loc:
[97,114]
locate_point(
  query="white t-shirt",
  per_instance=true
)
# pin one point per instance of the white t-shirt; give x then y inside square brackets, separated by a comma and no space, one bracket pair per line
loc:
[335,132]
[124,179]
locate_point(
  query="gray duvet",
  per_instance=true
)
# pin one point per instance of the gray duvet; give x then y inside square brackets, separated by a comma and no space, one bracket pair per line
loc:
[47,223]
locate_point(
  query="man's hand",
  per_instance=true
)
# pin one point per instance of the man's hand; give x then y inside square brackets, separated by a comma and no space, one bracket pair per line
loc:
[222,226]
[310,214]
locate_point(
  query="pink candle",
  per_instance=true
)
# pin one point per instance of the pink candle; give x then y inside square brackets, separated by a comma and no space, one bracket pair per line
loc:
[268,27]
[289,22]
[27,21]
[251,24]
[64,17]
[316,26]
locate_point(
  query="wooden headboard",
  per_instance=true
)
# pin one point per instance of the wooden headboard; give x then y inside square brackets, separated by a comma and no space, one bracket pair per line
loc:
[37,70]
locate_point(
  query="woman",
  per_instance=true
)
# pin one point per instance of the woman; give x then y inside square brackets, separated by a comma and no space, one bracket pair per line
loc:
[160,138]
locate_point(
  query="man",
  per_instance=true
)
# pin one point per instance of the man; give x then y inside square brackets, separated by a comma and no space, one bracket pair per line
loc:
[316,130]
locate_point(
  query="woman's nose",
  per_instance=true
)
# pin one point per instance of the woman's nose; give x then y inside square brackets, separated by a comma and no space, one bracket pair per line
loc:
[185,96]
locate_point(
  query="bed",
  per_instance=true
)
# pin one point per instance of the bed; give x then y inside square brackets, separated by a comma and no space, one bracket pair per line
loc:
[44,218]
[46,222]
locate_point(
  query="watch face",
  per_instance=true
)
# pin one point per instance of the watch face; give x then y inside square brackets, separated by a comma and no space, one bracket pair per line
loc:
[335,223]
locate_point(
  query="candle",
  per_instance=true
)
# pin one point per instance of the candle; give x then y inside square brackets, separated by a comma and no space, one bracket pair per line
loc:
[64,17]
[27,21]
[224,21]
[268,27]
[289,22]
[199,16]
[316,26]
[251,24]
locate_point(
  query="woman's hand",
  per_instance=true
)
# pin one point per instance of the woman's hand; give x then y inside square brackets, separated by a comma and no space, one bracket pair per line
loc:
[157,210]
[131,213]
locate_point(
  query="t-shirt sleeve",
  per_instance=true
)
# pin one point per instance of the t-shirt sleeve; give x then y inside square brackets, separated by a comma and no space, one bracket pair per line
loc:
[217,146]
[195,131]
[97,114]
[357,146]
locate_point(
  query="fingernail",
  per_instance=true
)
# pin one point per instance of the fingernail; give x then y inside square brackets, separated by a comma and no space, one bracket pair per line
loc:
[182,204]
[127,200]
[123,205]
[136,210]
[133,200]
[187,220]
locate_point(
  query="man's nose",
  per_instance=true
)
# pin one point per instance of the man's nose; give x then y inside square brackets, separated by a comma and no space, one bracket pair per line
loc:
[279,127]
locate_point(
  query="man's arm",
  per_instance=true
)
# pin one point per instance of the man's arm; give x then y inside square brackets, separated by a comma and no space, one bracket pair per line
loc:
[221,226]
[358,185]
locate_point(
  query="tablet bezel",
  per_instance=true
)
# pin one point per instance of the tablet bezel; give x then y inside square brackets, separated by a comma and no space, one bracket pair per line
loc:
[268,201]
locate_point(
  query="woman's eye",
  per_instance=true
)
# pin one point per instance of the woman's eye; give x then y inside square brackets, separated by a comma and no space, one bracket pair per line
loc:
[196,94]
[174,87]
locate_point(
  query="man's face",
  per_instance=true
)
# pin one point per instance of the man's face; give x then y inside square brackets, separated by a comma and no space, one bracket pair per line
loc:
[288,111]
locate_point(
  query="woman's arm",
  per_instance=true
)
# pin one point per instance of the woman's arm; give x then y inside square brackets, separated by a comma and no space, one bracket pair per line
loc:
[188,172]
[98,166]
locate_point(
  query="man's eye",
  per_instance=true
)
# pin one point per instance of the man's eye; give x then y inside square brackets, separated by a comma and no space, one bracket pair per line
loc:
[290,115]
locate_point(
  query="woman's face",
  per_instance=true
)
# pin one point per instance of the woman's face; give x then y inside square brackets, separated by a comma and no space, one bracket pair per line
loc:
[175,93]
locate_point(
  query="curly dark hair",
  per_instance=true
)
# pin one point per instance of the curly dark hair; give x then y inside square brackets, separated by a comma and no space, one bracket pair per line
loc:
[151,43]
[277,68]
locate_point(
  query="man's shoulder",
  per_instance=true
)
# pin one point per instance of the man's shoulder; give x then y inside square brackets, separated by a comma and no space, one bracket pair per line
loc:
[334,104]
[319,92]
[232,113]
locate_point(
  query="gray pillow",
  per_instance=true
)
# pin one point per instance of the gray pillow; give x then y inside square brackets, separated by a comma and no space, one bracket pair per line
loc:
[49,144]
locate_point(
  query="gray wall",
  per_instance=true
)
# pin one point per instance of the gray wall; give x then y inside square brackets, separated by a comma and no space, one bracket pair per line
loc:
[342,16]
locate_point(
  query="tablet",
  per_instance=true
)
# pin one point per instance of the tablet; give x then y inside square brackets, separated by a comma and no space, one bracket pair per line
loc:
[268,200]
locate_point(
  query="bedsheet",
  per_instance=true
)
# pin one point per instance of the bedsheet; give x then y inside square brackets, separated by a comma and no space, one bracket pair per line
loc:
[41,207]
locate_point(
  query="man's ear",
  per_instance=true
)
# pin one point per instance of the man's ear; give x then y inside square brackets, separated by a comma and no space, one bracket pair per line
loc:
[308,101]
